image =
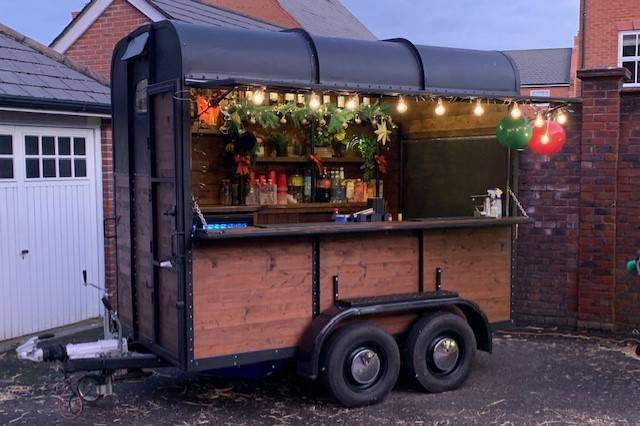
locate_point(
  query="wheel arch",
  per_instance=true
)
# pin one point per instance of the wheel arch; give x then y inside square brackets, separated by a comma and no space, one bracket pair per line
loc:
[325,324]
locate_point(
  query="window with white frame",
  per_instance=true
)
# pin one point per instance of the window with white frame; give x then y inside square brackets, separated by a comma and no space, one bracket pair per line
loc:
[6,156]
[55,157]
[541,93]
[629,55]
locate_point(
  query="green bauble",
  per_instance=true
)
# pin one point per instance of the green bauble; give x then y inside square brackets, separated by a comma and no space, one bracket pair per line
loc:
[514,133]
[632,266]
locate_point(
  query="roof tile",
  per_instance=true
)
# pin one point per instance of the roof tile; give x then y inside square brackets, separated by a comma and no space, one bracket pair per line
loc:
[28,70]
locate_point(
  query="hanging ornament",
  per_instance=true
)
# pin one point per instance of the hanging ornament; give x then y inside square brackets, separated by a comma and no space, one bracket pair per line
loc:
[252,120]
[283,120]
[357,119]
[345,125]
[383,133]
[514,133]
[548,139]
[322,122]
[304,121]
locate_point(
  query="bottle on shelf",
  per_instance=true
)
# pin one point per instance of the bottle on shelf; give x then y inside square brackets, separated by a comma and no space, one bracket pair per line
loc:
[323,187]
[282,189]
[253,192]
[225,193]
[296,187]
[306,195]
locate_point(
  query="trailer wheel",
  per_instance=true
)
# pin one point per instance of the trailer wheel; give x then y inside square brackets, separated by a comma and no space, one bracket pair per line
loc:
[360,365]
[439,351]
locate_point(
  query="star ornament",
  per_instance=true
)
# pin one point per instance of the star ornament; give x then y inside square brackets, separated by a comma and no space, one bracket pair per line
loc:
[383,133]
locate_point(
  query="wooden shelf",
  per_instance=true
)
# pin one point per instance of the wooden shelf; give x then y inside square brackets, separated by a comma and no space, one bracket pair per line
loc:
[306,207]
[301,159]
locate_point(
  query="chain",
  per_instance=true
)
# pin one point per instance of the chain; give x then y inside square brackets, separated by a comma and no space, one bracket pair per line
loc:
[515,200]
[196,207]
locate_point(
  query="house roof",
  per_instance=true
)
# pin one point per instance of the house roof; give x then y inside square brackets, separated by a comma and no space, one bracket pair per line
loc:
[327,18]
[543,66]
[35,76]
[196,12]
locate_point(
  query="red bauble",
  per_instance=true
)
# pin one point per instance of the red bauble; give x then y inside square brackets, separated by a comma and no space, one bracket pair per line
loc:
[552,143]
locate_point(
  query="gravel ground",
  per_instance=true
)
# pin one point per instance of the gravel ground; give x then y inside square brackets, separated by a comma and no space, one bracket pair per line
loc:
[530,379]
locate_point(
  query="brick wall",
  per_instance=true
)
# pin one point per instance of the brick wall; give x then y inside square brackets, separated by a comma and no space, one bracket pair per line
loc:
[627,291]
[585,202]
[95,47]
[109,210]
[603,20]
[545,289]
[554,91]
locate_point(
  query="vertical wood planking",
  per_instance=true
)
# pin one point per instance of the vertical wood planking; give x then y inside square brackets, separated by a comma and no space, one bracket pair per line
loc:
[250,295]
[476,263]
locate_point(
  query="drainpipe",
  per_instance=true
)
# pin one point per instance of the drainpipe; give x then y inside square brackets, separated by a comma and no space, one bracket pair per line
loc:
[583,18]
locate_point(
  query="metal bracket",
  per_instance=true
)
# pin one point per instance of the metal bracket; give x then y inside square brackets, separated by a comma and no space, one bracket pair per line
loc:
[336,289]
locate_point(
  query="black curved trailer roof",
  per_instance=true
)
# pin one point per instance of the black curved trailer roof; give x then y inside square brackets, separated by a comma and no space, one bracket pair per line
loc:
[213,56]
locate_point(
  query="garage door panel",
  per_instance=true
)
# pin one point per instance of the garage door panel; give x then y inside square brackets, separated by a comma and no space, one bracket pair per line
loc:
[10,312]
[56,208]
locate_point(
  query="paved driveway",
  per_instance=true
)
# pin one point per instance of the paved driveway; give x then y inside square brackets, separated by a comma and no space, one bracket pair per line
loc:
[536,380]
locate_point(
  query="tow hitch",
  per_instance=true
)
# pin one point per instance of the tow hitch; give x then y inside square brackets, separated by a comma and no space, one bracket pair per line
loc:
[100,358]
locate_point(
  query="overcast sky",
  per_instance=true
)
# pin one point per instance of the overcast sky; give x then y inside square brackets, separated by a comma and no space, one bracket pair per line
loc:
[478,24]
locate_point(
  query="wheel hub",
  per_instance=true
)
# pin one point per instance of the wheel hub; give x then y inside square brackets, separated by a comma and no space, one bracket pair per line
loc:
[445,354]
[365,366]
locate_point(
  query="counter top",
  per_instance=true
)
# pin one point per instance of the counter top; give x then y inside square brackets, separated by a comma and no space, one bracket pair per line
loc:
[328,228]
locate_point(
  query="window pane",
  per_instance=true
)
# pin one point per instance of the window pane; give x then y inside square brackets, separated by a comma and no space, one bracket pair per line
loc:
[65,168]
[80,167]
[48,168]
[6,168]
[631,66]
[78,146]
[48,145]
[629,45]
[33,168]
[31,145]
[64,146]
[6,145]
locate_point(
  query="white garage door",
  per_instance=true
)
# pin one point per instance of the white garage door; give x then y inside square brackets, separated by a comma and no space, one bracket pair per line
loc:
[49,228]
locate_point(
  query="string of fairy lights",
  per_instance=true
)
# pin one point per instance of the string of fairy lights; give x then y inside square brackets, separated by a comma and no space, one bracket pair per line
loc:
[533,123]
[258,97]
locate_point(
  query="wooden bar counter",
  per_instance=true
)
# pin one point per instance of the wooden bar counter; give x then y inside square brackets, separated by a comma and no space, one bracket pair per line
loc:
[262,287]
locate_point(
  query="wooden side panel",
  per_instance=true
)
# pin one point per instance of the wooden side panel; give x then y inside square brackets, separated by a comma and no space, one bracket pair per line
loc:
[368,265]
[123,250]
[143,257]
[477,265]
[165,224]
[250,295]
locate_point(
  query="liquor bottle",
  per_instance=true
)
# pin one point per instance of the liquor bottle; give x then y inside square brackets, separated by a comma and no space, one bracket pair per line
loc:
[307,186]
[323,187]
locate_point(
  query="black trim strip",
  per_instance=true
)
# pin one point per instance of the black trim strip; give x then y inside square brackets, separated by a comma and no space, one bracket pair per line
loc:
[53,104]
[242,359]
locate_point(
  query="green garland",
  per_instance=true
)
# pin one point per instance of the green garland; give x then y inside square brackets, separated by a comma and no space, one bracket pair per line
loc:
[330,119]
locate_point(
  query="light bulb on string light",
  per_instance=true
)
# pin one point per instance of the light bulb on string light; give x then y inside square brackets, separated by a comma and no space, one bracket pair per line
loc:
[478,110]
[314,101]
[539,121]
[352,103]
[258,97]
[402,105]
[440,109]
[516,112]
[545,139]
[561,117]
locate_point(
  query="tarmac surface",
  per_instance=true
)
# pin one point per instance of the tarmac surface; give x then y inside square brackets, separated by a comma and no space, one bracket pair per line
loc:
[532,378]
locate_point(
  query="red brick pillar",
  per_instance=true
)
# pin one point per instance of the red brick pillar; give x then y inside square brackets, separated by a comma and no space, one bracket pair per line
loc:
[598,193]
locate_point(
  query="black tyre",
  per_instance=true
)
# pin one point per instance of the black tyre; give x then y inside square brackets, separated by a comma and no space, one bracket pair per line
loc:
[360,365]
[439,351]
